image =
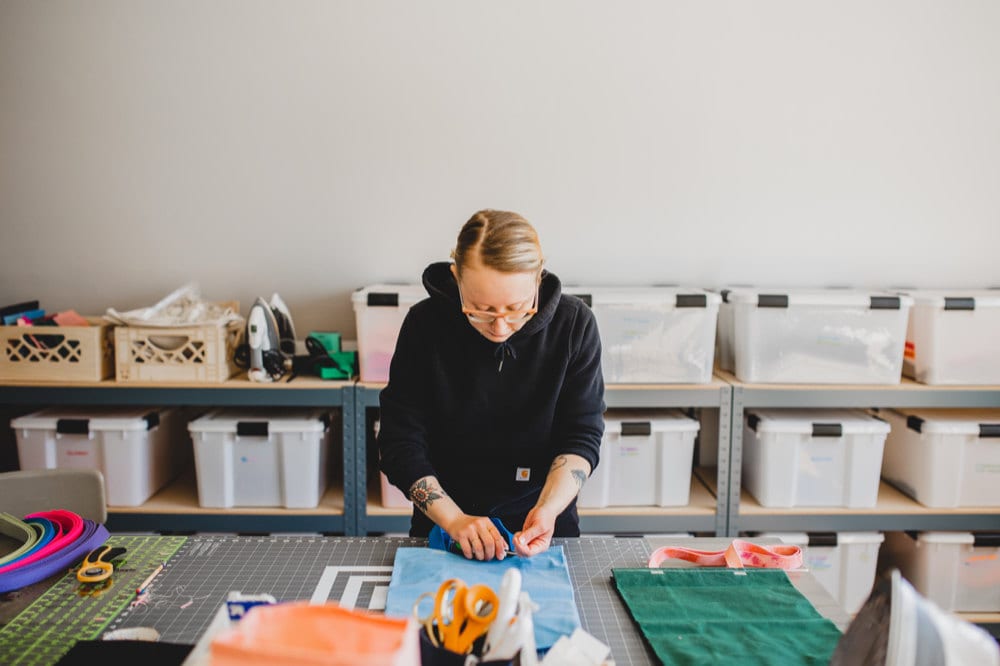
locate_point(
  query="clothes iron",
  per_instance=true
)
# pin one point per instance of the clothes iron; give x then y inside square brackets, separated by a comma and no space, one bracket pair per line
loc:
[270,339]
[898,627]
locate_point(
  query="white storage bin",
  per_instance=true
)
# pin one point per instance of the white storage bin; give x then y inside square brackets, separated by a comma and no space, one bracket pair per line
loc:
[953,337]
[261,457]
[379,311]
[654,334]
[958,571]
[813,458]
[392,497]
[137,449]
[844,563]
[819,337]
[645,461]
[945,457]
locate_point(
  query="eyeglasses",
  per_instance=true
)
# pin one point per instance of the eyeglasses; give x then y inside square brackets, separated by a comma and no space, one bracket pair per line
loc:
[512,317]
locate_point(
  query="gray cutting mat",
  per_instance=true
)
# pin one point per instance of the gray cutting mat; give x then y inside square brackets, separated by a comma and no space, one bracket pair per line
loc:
[186,596]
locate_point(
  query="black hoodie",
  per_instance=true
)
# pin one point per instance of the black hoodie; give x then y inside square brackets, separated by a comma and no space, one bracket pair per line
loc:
[476,414]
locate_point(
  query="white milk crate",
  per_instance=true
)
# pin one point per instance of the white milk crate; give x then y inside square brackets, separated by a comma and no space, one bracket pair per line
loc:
[379,311]
[261,457]
[645,461]
[953,337]
[944,457]
[137,449]
[817,337]
[958,571]
[844,563]
[794,458]
[654,334]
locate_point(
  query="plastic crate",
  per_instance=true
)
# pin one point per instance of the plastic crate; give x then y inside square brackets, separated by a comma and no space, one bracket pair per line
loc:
[137,449]
[58,353]
[188,354]
[654,334]
[819,337]
[958,571]
[813,458]
[844,563]
[261,457]
[944,457]
[379,311]
[953,337]
[645,460]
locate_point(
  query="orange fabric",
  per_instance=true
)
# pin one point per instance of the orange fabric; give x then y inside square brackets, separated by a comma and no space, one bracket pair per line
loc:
[300,634]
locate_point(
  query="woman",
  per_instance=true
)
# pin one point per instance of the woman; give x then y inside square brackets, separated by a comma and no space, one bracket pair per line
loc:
[495,400]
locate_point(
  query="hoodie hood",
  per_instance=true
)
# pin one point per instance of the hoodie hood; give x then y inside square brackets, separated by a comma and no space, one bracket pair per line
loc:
[443,290]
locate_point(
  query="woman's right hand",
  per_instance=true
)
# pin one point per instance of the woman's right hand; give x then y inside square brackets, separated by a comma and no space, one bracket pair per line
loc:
[478,537]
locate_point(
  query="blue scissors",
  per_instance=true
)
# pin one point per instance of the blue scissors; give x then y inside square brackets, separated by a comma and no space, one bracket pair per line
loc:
[461,614]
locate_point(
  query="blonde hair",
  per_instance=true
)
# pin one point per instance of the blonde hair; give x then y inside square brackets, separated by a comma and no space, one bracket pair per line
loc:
[500,240]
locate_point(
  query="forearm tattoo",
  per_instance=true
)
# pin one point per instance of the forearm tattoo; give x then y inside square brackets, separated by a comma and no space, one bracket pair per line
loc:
[580,477]
[560,461]
[424,492]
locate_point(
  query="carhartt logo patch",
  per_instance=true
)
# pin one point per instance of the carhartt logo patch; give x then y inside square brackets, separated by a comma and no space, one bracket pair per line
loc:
[523,474]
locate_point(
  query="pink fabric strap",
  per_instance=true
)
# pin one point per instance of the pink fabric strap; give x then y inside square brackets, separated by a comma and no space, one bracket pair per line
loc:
[738,555]
[68,526]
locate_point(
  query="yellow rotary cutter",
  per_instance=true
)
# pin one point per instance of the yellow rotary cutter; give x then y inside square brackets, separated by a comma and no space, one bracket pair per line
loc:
[97,567]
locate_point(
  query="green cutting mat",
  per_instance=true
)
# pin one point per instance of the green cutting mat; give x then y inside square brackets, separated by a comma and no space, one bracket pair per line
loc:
[70,611]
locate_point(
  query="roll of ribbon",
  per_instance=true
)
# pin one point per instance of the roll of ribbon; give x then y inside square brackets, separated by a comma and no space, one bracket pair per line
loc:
[738,555]
[73,538]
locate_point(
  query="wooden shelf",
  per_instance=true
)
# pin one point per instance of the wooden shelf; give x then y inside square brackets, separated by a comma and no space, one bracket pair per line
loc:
[905,384]
[180,496]
[235,382]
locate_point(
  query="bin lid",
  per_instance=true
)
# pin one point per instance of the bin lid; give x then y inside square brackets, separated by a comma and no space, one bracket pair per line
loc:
[955,299]
[648,422]
[79,420]
[817,423]
[784,298]
[388,295]
[946,537]
[803,539]
[676,297]
[276,420]
[980,422]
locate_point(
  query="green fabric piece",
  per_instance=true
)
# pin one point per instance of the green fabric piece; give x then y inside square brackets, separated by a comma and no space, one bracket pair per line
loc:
[709,616]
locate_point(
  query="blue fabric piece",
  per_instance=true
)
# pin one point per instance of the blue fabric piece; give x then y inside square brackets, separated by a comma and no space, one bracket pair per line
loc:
[441,540]
[544,576]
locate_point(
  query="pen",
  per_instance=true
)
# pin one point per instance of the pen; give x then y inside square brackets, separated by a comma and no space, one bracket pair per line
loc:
[145,583]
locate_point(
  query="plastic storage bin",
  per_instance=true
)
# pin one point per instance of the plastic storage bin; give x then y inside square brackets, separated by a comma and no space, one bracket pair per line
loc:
[945,457]
[261,457]
[654,334]
[819,337]
[813,458]
[379,311]
[844,563]
[645,461]
[391,496]
[953,337]
[958,571]
[137,449]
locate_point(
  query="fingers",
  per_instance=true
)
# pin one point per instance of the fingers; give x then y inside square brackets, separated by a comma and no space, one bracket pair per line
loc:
[481,540]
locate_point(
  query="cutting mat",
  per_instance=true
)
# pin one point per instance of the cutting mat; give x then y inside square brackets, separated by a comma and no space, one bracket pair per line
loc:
[70,611]
[351,570]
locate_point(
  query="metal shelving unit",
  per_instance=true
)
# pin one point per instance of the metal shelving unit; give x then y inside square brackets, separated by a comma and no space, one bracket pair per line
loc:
[706,511]
[175,507]
[894,510]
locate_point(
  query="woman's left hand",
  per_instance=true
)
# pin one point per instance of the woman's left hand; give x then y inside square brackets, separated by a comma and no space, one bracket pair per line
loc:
[536,536]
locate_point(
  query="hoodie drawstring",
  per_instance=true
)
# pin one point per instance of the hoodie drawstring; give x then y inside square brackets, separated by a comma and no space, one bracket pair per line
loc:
[504,348]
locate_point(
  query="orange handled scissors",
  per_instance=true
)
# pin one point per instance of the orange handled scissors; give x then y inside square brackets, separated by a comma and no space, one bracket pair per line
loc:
[461,614]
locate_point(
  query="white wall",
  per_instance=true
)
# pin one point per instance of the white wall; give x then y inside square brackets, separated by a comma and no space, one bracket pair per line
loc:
[313,147]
